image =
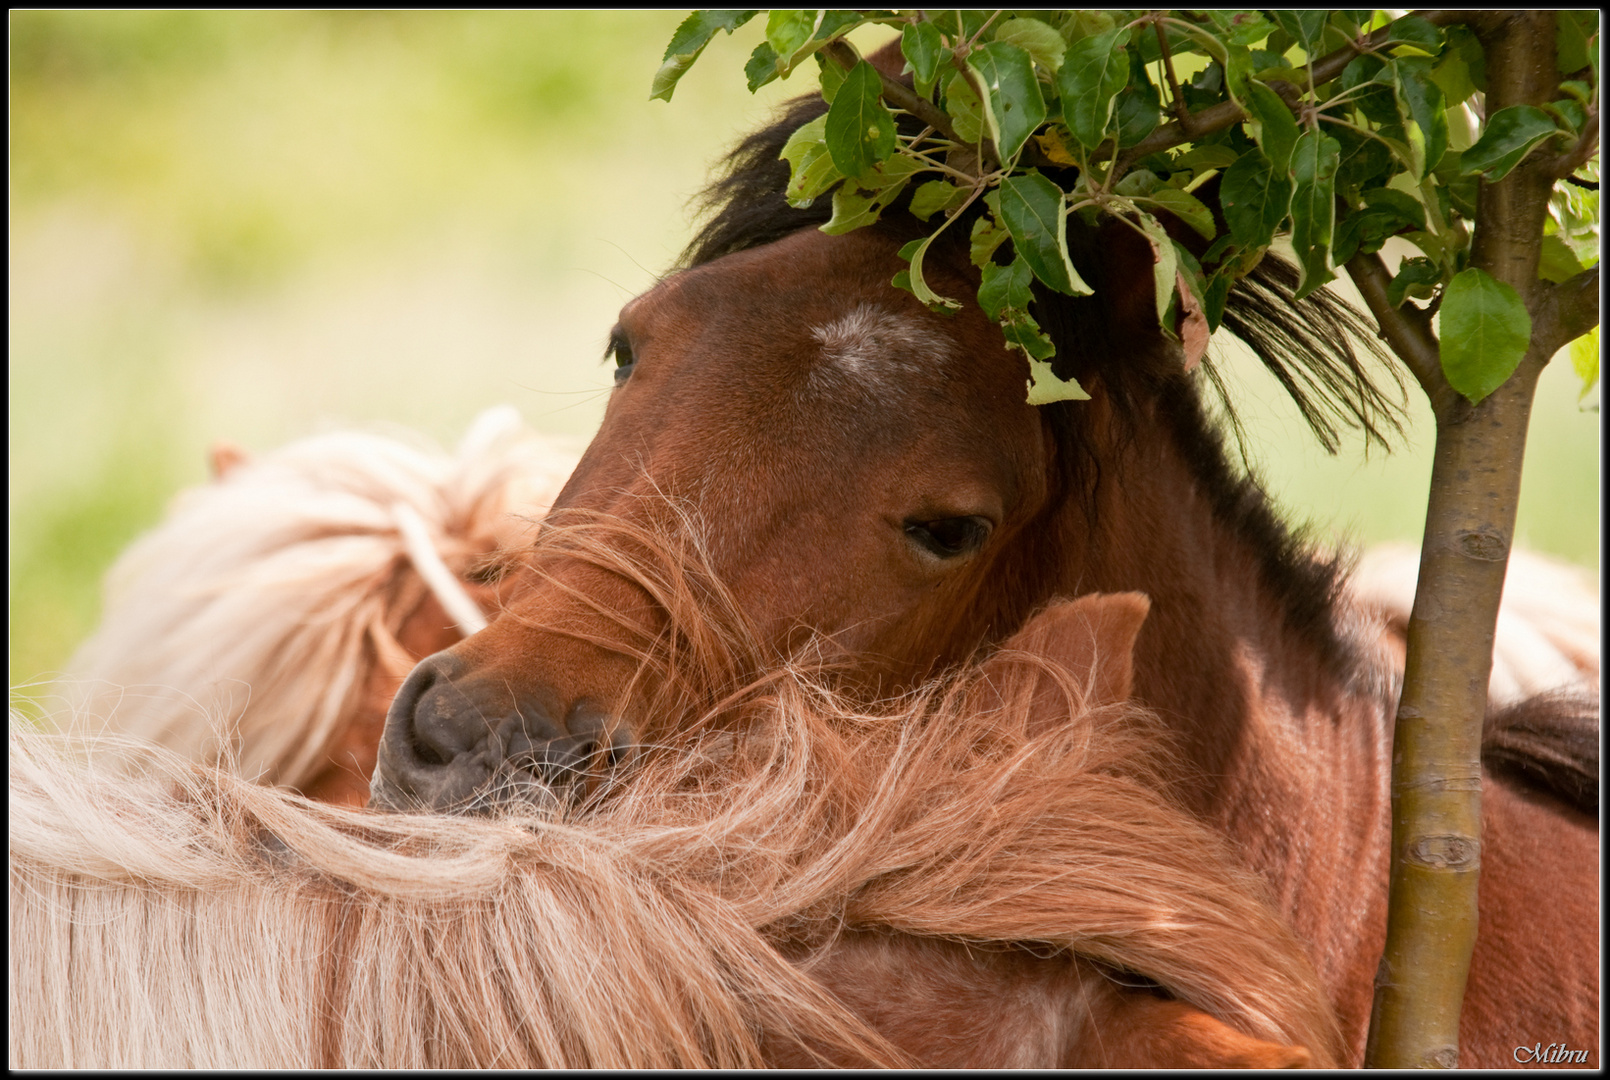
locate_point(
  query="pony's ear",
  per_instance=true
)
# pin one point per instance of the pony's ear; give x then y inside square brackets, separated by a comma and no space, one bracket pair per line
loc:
[1146,1032]
[890,61]
[1092,637]
[1130,261]
[225,457]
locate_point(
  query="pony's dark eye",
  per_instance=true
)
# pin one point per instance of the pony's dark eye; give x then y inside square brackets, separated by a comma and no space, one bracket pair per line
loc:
[621,350]
[950,537]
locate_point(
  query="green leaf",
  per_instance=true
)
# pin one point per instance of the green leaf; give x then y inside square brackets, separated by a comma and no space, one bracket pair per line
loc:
[1015,105]
[961,24]
[923,48]
[1241,27]
[913,280]
[860,129]
[1138,109]
[1004,289]
[1573,29]
[832,77]
[1426,108]
[1254,199]
[1303,26]
[1401,204]
[1452,75]
[1165,268]
[1005,293]
[966,111]
[1416,31]
[988,234]
[851,210]
[1556,261]
[1215,296]
[688,42]
[1188,208]
[1043,44]
[1313,208]
[1485,329]
[1585,360]
[762,66]
[1082,24]
[810,167]
[1417,277]
[1237,70]
[1035,214]
[836,24]
[1569,113]
[1095,70]
[1137,182]
[1202,158]
[934,196]
[1045,386]
[788,30]
[1274,128]
[1510,135]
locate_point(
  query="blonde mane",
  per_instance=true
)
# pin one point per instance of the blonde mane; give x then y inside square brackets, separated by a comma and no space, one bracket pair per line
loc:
[178,916]
[243,628]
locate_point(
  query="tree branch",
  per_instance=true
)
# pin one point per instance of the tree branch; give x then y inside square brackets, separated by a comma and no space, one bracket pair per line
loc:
[1564,312]
[1574,158]
[1406,329]
[1220,116]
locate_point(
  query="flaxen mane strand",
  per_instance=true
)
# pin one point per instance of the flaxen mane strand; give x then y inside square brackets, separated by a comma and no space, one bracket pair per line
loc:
[242,627]
[177,915]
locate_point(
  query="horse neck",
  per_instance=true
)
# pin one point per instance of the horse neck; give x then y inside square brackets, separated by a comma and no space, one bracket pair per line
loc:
[1282,744]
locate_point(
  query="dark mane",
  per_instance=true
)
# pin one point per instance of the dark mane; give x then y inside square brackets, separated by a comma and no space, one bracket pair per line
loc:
[1316,348]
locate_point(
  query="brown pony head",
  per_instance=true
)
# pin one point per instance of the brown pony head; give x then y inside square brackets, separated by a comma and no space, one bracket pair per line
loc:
[862,478]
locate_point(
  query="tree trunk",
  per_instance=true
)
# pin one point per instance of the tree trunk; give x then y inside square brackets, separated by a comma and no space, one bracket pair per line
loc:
[1470,522]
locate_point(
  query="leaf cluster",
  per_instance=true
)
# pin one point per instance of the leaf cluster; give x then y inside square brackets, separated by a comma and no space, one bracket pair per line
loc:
[1328,131]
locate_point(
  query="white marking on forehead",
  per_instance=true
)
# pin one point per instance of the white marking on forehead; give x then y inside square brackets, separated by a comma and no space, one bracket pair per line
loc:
[873,344]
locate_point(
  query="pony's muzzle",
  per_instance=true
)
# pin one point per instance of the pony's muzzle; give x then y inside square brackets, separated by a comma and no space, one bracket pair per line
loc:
[458,742]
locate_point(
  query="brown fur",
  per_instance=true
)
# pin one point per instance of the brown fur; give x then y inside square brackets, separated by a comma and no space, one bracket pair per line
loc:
[1276,690]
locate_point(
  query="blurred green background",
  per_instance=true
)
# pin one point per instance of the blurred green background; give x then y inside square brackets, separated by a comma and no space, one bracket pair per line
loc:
[256,225]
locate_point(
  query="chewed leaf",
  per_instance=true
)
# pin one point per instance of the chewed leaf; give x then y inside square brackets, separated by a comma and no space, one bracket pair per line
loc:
[688,42]
[966,111]
[988,234]
[1006,288]
[1036,38]
[1485,330]
[1045,387]
[851,210]
[1015,106]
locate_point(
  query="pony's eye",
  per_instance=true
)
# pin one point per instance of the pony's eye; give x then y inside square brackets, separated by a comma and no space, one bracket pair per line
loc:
[621,350]
[950,537]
